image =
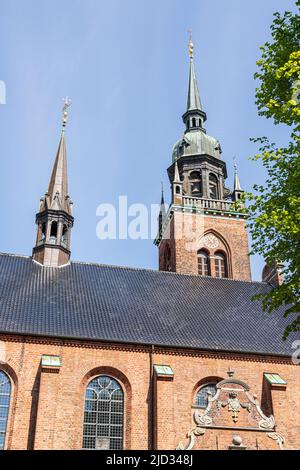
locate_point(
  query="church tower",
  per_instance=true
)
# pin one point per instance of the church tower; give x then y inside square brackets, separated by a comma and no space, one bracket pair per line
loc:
[204,231]
[54,219]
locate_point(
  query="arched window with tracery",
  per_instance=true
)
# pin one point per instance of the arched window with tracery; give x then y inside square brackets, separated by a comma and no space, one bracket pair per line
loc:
[103,414]
[203,393]
[203,263]
[5,393]
[213,187]
[221,265]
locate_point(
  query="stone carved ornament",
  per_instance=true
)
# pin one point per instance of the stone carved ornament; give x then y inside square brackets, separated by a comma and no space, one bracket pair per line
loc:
[204,419]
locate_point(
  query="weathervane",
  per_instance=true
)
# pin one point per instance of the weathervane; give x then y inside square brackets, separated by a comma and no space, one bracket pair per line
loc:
[67,104]
[191,45]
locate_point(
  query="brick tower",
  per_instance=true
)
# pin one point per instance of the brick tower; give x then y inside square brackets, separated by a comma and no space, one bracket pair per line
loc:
[204,230]
[54,219]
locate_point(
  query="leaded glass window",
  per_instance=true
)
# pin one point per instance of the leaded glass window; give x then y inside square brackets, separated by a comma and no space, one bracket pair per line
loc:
[202,395]
[203,263]
[5,392]
[220,265]
[103,414]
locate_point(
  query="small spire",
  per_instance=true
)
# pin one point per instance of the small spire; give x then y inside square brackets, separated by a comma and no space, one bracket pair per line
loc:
[176,174]
[162,200]
[67,104]
[237,185]
[162,212]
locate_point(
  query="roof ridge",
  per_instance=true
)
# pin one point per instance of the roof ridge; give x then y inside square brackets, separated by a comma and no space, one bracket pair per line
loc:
[133,268]
[14,255]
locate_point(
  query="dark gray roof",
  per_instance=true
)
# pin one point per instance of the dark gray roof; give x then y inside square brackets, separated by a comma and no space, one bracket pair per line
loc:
[98,302]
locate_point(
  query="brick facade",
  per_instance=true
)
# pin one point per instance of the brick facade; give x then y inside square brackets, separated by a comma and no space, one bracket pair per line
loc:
[46,409]
[183,238]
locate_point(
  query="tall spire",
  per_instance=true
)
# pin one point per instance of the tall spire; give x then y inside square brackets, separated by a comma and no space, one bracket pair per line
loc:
[176,173]
[57,196]
[194,117]
[54,218]
[193,100]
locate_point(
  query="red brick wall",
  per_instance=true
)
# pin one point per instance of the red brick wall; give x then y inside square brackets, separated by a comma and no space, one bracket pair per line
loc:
[47,409]
[185,238]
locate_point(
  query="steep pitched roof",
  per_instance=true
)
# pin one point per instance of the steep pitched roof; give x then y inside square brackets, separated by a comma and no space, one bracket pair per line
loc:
[193,100]
[97,302]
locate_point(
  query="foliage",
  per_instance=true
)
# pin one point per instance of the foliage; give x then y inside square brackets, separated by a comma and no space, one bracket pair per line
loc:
[274,212]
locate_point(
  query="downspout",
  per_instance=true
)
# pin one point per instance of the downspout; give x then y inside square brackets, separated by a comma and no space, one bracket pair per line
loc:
[152,408]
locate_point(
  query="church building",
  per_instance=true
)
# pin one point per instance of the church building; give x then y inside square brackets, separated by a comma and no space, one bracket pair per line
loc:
[103,357]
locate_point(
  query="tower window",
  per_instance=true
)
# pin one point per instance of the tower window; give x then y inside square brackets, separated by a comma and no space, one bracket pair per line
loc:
[103,414]
[220,265]
[203,263]
[195,183]
[203,393]
[53,233]
[194,122]
[5,392]
[64,237]
[213,187]
[43,234]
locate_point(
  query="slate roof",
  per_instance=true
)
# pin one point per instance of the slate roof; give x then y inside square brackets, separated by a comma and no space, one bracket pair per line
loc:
[97,302]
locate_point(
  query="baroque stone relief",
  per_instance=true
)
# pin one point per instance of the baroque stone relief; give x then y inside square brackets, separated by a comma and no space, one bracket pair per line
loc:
[231,407]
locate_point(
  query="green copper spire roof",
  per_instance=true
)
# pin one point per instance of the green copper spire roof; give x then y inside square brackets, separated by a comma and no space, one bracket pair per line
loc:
[193,100]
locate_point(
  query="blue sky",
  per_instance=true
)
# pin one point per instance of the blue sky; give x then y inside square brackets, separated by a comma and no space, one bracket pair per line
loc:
[124,64]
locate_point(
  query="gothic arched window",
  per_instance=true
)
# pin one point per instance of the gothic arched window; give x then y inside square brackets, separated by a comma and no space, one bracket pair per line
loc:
[213,187]
[203,263]
[5,392]
[103,414]
[195,183]
[220,265]
[202,395]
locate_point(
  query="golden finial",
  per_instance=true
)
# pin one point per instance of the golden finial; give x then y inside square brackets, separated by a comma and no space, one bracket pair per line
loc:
[67,104]
[191,45]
